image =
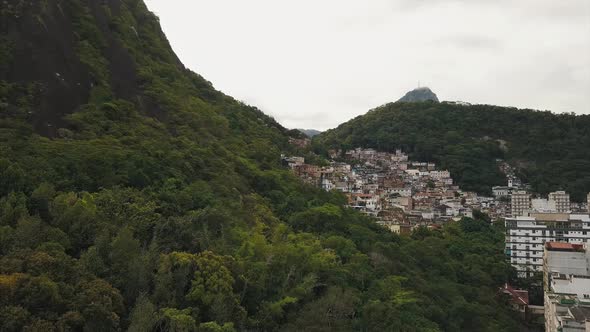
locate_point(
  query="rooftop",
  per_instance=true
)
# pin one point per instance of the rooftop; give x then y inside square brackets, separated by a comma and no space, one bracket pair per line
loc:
[562,246]
[580,314]
[517,295]
[578,286]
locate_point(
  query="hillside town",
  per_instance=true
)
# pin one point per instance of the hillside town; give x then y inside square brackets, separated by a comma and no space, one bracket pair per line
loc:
[400,193]
[546,237]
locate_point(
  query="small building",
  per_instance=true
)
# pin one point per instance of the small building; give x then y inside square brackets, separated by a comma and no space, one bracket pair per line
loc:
[501,191]
[518,299]
[401,229]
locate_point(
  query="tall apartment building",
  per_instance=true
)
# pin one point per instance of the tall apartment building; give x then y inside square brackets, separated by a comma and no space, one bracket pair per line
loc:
[566,284]
[561,201]
[520,203]
[527,235]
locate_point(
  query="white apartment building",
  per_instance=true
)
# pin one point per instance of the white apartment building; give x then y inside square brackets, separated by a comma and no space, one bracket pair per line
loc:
[439,175]
[501,191]
[566,283]
[520,203]
[561,201]
[527,235]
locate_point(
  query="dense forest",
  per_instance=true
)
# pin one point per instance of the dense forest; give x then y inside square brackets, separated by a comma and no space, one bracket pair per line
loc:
[134,196]
[550,151]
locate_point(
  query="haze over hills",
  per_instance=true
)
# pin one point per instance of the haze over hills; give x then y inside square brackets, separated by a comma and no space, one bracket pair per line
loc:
[310,132]
[133,195]
[548,150]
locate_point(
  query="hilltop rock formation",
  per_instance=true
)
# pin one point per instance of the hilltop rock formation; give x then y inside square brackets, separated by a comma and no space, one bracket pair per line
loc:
[419,94]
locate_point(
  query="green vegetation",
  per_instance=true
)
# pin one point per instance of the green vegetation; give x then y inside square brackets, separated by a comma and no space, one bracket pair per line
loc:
[159,204]
[551,151]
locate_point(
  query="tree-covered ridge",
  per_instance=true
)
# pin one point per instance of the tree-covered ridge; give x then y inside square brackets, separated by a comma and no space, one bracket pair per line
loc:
[135,196]
[551,151]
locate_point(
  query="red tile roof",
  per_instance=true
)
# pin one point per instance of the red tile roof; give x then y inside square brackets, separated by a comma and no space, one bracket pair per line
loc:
[563,246]
[517,295]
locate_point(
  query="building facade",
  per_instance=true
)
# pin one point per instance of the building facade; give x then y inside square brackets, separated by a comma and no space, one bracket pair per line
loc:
[501,191]
[520,203]
[560,200]
[566,284]
[526,237]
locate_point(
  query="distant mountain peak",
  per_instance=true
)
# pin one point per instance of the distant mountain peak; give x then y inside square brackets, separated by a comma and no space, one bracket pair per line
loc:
[419,94]
[310,132]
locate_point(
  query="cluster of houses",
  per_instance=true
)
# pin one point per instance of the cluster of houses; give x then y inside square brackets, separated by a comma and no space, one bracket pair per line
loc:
[400,193]
[544,235]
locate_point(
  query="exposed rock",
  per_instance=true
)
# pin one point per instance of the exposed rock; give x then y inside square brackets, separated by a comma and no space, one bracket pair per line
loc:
[419,94]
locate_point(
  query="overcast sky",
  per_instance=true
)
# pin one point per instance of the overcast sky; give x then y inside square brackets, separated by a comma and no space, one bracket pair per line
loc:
[317,63]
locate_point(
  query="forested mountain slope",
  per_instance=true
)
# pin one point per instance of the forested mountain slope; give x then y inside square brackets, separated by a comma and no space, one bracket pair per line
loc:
[133,195]
[551,151]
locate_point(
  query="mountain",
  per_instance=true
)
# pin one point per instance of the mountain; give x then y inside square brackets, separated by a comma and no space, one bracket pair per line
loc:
[548,150]
[135,196]
[310,132]
[419,94]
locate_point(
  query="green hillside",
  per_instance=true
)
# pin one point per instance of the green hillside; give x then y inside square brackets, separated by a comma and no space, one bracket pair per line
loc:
[134,196]
[550,151]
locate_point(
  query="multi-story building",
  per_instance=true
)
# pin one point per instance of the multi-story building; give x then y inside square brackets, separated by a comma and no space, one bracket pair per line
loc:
[527,235]
[566,283]
[520,203]
[588,202]
[561,201]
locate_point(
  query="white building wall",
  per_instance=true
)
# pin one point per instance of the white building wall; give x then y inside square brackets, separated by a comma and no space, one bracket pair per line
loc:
[525,239]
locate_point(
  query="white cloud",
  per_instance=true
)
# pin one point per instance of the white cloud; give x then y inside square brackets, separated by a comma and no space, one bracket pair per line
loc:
[316,64]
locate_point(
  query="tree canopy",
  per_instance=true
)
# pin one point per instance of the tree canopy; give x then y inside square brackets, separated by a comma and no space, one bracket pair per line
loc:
[135,196]
[550,151]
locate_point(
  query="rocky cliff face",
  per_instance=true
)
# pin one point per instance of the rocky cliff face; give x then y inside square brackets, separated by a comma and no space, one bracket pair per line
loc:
[67,54]
[419,94]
